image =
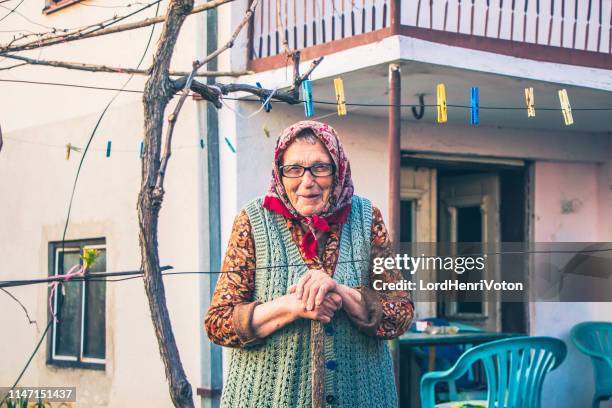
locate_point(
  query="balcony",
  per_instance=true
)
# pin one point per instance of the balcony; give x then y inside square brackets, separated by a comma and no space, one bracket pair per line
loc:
[575,32]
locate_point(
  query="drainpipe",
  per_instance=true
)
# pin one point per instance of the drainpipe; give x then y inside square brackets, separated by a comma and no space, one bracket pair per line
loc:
[393,150]
[211,364]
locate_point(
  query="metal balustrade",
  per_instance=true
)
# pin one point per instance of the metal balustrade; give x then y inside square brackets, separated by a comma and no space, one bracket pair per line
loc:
[568,25]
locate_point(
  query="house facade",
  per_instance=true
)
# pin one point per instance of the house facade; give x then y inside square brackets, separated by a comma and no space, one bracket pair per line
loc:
[511,178]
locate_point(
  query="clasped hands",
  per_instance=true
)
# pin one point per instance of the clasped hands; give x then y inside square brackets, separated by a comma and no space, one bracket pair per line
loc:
[316,296]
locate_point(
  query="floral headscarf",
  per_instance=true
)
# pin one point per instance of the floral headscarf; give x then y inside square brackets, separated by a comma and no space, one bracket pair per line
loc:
[341,195]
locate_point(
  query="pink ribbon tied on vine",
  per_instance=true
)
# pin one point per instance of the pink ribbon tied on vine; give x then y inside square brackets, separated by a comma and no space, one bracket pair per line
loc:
[76,270]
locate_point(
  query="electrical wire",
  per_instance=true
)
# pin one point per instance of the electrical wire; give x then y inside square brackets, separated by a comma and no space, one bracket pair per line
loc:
[128,5]
[11,11]
[98,88]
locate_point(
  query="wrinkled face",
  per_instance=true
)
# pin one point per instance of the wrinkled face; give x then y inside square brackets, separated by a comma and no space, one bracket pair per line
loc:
[309,195]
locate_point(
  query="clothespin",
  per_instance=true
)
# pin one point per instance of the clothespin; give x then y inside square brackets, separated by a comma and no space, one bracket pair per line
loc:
[230,145]
[340,100]
[266,131]
[474,106]
[307,97]
[141,148]
[108,148]
[267,105]
[442,116]
[70,147]
[566,107]
[201,143]
[530,102]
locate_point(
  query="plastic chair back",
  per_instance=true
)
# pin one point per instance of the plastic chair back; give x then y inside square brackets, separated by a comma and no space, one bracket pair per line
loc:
[595,340]
[515,369]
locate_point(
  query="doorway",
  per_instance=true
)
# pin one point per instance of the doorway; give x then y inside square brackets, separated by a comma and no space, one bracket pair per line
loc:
[451,199]
[462,199]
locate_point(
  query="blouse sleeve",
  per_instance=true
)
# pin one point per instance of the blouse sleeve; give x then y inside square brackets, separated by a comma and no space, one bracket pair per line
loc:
[390,312]
[228,320]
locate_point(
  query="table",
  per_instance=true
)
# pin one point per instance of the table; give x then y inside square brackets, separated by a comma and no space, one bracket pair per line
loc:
[409,389]
[423,339]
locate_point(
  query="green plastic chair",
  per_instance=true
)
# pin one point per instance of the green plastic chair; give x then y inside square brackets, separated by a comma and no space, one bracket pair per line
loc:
[595,340]
[515,369]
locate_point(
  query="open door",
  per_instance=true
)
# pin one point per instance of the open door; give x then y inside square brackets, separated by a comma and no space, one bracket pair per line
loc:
[418,218]
[469,212]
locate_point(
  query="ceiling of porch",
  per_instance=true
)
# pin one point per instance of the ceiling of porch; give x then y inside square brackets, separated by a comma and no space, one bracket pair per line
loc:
[369,85]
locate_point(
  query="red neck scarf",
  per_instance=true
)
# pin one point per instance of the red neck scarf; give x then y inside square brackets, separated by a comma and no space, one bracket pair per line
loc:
[341,194]
[309,239]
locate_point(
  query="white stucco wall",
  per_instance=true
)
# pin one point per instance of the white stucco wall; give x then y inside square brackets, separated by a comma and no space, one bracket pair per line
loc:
[589,183]
[365,139]
[35,184]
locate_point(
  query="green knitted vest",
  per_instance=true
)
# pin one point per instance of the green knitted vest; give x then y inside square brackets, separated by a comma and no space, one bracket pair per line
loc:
[277,373]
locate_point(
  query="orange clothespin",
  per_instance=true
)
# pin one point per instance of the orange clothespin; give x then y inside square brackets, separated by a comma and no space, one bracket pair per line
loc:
[340,100]
[530,102]
[442,112]
[566,108]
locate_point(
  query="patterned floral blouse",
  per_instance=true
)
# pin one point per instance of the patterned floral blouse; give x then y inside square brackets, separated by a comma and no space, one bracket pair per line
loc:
[228,318]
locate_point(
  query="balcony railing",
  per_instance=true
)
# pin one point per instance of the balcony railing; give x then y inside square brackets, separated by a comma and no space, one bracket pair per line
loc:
[307,22]
[575,31]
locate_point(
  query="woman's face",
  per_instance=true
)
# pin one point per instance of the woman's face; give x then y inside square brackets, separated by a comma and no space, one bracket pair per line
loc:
[309,195]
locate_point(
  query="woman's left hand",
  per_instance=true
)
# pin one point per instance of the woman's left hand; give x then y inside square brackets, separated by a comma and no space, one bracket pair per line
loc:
[312,288]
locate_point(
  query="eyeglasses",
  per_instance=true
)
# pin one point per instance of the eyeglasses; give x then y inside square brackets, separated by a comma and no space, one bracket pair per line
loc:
[317,170]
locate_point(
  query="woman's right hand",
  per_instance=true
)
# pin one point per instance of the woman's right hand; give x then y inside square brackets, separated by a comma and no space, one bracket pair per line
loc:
[324,312]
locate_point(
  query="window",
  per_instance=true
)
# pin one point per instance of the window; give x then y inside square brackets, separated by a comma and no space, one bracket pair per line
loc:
[78,338]
[54,5]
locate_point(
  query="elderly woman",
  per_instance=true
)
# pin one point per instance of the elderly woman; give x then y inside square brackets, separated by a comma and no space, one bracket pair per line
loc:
[295,300]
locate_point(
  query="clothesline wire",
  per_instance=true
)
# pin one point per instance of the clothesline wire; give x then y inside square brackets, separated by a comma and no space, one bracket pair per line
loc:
[320,102]
[102,276]
[63,147]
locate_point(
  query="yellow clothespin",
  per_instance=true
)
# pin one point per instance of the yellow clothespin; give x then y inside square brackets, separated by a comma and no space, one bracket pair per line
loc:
[70,147]
[530,101]
[442,116]
[566,107]
[340,100]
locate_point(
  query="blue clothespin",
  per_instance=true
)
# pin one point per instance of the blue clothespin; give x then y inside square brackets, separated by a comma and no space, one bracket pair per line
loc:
[230,145]
[141,148]
[202,143]
[108,148]
[307,97]
[267,105]
[474,106]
